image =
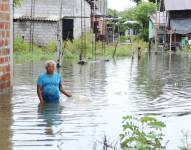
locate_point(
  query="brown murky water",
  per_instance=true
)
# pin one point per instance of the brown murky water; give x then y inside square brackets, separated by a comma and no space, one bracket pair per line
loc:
[103,93]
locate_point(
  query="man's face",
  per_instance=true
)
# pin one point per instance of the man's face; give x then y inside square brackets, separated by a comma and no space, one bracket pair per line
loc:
[50,68]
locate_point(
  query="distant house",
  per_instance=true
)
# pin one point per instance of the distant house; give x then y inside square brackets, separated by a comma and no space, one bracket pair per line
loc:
[37,20]
[99,14]
[178,19]
[131,31]
[158,21]
[172,23]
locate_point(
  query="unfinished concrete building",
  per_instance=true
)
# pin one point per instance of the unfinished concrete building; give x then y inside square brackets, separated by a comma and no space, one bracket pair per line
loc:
[37,20]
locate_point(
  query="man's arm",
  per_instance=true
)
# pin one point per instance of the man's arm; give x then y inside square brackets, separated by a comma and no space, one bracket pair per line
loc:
[63,91]
[39,92]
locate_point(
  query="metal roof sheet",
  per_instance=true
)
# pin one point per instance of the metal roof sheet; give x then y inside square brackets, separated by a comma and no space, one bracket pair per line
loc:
[37,18]
[181,26]
[177,5]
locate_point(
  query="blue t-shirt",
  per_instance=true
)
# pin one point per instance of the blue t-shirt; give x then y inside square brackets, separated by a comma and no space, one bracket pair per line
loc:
[50,85]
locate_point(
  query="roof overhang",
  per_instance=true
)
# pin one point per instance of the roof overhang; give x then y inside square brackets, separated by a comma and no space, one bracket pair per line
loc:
[171,5]
[37,18]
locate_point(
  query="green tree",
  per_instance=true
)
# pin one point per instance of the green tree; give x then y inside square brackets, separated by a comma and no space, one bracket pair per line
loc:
[140,13]
[17,2]
[113,12]
[138,1]
[154,1]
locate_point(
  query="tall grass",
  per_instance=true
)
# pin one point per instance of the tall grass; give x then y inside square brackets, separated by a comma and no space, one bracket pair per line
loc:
[22,52]
[72,49]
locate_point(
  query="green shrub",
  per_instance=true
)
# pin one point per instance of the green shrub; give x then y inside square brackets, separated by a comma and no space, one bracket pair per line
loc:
[123,39]
[72,49]
[22,52]
[51,47]
[20,45]
[143,133]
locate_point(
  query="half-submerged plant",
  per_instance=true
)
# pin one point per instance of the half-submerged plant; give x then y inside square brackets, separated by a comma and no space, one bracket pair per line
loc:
[143,133]
[186,141]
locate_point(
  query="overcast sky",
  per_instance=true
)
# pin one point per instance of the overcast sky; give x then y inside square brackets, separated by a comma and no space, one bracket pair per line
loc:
[120,4]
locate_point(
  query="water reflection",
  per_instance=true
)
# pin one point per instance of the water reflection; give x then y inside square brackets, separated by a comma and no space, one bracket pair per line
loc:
[5,122]
[163,82]
[89,80]
[149,74]
[155,85]
[51,116]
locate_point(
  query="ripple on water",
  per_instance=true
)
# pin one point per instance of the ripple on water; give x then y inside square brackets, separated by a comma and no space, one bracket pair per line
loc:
[105,91]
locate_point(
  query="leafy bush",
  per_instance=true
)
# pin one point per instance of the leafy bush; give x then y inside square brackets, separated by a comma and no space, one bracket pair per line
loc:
[20,45]
[17,3]
[123,38]
[51,47]
[72,49]
[143,133]
[22,52]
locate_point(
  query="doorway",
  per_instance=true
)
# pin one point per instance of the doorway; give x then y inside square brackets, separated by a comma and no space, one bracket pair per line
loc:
[68,29]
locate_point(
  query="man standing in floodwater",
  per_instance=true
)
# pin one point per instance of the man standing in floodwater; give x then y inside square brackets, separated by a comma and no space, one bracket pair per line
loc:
[49,85]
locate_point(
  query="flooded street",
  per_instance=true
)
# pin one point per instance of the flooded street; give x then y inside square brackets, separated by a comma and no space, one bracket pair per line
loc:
[103,93]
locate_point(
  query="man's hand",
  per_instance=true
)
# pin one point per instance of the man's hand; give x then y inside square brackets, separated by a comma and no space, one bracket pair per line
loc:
[64,92]
[39,92]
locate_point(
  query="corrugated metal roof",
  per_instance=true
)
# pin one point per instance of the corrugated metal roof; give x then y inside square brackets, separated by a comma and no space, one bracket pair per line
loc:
[177,4]
[37,18]
[181,26]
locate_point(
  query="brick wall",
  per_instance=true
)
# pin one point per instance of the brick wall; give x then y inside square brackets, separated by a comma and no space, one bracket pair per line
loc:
[5,46]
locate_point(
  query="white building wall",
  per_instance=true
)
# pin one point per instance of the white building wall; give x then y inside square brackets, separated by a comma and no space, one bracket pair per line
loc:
[86,21]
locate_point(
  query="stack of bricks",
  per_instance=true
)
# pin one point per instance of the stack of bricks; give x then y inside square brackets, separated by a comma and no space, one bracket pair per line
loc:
[5,63]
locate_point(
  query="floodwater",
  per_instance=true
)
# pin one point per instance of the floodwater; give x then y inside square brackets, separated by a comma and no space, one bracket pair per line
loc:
[156,85]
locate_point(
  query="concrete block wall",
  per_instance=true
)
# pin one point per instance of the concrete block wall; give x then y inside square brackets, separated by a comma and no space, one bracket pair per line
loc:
[5,46]
[44,31]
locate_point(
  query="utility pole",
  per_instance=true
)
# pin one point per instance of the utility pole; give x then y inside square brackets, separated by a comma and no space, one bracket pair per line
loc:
[95,42]
[93,26]
[170,40]
[156,24]
[82,34]
[59,37]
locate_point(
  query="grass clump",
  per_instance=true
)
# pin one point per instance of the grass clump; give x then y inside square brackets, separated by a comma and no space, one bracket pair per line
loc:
[23,52]
[72,49]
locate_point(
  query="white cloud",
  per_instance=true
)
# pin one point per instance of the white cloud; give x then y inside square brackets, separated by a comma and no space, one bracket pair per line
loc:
[120,4]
